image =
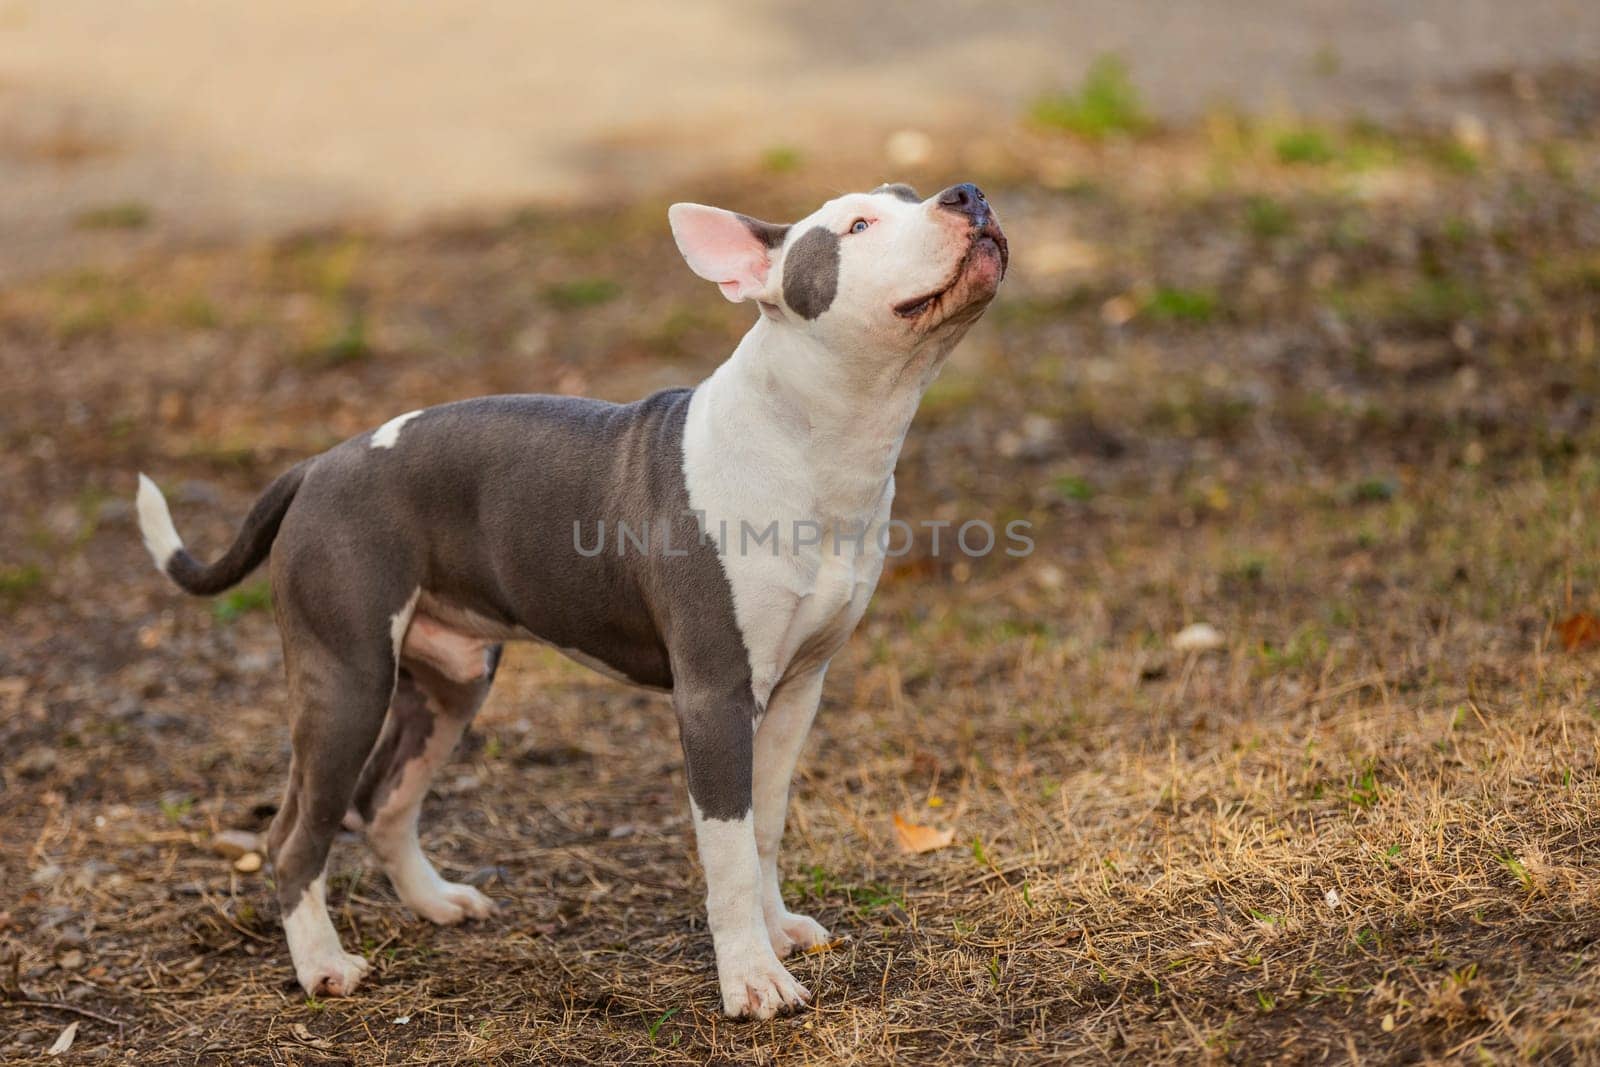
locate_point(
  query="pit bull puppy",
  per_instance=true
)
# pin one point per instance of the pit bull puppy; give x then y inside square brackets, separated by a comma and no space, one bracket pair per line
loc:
[719,542]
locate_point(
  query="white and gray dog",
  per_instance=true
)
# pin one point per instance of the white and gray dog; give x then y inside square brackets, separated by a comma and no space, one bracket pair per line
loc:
[402,558]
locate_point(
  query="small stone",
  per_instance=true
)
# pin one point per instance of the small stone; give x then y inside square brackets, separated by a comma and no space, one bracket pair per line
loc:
[249,863]
[233,844]
[70,960]
[1198,637]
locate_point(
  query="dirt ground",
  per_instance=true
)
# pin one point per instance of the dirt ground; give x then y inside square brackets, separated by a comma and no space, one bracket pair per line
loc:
[1328,389]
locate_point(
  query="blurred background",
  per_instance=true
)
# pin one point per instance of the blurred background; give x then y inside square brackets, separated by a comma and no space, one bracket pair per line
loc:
[213,120]
[1284,744]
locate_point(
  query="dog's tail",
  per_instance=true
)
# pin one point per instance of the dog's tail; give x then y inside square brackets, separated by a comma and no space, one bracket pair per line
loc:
[243,556]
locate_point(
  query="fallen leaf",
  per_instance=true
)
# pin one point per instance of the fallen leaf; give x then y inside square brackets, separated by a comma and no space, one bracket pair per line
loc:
[826,946]
[914,838]
[64,1042]
[1579,631]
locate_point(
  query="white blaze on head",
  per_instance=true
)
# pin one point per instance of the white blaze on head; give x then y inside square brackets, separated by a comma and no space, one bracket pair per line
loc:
[386,435]
[155,523]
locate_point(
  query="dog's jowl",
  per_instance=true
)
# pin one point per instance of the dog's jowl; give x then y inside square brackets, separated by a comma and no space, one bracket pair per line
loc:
[737,525]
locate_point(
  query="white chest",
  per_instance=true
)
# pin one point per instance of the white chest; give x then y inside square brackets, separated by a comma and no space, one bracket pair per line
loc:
[800,571]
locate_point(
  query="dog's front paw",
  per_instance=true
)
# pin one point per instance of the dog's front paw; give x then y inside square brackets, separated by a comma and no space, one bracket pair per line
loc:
[333,975]
[448,903]
[759,989]
[789,931]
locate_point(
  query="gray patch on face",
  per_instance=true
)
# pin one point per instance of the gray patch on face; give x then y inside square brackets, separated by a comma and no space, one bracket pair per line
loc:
[768,233]
[811,272]
[901,190]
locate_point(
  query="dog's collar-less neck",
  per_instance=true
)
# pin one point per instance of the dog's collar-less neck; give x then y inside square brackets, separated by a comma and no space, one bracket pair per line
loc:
[847,415]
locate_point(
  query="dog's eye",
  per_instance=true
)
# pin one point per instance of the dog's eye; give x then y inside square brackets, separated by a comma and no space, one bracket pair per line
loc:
[859,226]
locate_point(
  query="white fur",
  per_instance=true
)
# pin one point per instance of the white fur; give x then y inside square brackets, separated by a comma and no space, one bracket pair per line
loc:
[155,523]
[388,434]
[776,435]
[400,622]
[320,962]
[753,982]
[393,836]
[777,749]
[804,423]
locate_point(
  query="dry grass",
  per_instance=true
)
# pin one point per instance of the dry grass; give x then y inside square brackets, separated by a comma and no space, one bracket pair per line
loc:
[1346,418]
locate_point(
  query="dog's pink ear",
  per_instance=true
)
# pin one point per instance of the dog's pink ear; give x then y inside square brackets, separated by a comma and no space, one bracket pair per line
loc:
[732,250]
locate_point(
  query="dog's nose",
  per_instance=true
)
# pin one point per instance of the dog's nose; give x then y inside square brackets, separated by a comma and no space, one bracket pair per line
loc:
[967,199]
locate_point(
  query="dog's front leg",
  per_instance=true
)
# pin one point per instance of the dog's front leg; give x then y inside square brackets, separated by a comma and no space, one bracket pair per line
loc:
[717,731]
[777,749]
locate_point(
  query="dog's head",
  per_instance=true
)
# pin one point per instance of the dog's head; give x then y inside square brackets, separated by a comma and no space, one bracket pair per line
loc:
[879,271]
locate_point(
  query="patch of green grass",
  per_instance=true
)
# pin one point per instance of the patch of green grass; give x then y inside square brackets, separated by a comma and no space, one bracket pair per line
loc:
[18,582]
[1363,790]
[1428,303]
[1306,647]
[128,215]
[659,1021]
[781,159]
[1304,145]
[1517,870]
[1106,104]
[174,811]
[1181,305]
[346,344]
[196,311]
[1373,491]
[240,601]
[90,303]
[1452,156]
[582,293]
[1267,218]
[1073,487]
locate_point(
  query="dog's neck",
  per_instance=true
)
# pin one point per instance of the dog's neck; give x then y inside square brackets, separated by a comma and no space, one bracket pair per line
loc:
[839,417]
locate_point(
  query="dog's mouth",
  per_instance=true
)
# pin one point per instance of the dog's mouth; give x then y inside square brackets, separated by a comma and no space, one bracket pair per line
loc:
[987,241]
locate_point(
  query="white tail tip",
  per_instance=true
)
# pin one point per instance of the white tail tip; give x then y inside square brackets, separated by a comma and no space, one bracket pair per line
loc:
[155,522]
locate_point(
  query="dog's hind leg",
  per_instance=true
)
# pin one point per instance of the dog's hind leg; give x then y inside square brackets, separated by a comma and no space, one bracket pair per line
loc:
[342,611]
[426,718]
[339,702]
